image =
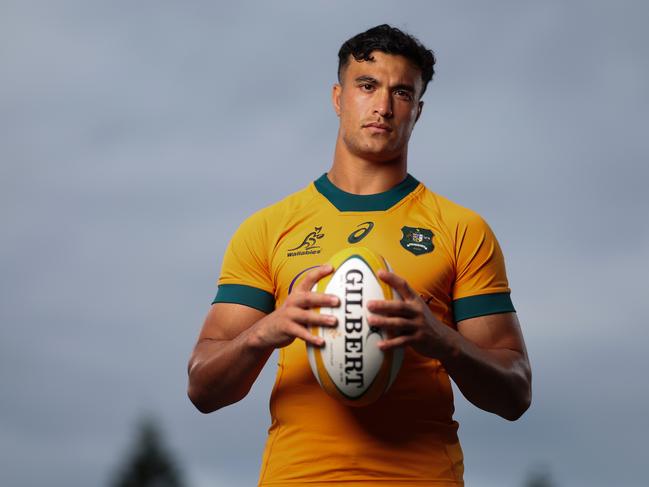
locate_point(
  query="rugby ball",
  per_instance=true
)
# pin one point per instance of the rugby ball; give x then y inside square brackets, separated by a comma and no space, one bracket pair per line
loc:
[350,366]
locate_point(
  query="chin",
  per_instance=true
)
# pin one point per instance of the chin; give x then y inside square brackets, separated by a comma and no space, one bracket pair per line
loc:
[385,157]
[382,153]
[373,150]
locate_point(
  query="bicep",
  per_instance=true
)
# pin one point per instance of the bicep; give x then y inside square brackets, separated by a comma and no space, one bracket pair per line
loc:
[495,331]
[226,321]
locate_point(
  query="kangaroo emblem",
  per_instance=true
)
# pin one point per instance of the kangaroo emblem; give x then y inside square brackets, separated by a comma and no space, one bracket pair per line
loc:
[310,241]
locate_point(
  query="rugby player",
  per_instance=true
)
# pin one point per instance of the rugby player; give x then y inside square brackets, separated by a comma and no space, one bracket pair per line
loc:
[455,321]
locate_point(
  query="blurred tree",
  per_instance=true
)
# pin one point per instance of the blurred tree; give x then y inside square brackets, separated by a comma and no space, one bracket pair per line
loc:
[539,477]
[149,464]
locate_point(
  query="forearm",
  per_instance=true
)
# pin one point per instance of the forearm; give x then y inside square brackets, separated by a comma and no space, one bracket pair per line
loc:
[496,380]
[236,341]
[221,372]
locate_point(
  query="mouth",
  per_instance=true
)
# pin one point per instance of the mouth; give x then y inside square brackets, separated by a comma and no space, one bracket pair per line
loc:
[378,127]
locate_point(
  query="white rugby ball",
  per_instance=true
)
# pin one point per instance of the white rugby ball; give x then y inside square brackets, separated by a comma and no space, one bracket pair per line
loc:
[350,366]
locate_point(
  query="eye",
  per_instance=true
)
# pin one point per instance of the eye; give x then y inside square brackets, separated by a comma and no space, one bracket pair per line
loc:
[367,87]
[406,95]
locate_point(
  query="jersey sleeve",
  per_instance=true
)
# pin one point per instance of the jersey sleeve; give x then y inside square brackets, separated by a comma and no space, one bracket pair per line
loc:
[481,286]
[245,273]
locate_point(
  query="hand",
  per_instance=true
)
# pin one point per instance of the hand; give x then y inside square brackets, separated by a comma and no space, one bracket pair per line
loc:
[290,320]
[409,321]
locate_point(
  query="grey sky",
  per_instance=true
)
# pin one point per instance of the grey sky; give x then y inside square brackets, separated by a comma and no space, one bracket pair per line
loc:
[135,137]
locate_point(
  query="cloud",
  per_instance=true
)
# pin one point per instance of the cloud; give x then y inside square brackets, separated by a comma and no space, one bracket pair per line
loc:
[136,138]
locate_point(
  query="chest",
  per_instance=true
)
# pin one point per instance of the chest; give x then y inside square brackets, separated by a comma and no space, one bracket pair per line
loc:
[414,243]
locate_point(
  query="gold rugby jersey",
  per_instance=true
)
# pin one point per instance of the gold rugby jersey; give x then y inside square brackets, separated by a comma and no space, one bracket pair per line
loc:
[447,253]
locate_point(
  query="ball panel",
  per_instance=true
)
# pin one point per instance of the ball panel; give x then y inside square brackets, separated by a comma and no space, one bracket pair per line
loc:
[350,366]
[353,359]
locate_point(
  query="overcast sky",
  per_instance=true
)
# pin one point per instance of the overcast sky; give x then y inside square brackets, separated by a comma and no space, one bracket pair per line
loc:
[136,136]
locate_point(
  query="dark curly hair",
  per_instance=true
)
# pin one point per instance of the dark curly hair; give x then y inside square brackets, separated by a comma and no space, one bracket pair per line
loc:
[389,40]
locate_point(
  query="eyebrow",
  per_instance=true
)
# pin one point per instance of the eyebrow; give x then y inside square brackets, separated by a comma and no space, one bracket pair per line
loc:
[366,79]
[369,79]
[404,87]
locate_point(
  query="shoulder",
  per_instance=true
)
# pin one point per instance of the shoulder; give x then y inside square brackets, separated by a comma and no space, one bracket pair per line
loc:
[248,254]
[275,216]
[451,214]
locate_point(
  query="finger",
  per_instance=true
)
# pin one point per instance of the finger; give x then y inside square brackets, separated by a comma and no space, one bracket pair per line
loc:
[398,283]
[394,325]
[313,276]
[311,318]
[398,341]
[301,332]
[392,308]
[308,299]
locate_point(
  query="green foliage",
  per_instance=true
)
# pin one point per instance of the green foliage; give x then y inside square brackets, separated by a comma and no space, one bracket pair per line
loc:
[149,464]
[539,477]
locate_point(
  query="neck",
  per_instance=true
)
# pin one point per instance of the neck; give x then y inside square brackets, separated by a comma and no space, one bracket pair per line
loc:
[358,175]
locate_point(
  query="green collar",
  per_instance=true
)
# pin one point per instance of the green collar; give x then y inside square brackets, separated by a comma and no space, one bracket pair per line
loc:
[344,201]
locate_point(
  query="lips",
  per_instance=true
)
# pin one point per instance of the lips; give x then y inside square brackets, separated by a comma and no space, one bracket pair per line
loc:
[379,127]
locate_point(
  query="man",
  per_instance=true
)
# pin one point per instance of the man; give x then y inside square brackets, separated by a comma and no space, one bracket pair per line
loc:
[455,318]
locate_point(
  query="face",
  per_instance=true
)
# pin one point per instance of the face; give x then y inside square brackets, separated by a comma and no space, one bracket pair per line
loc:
[378,104]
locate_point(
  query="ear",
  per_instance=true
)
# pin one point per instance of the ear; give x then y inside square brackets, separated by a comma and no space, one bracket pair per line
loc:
[335,97]
[419,109]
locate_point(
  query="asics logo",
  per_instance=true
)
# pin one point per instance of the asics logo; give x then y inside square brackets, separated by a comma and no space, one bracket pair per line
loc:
[360,233]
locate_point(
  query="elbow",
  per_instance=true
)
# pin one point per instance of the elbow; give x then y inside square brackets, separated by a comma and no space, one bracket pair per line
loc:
[208,403]
[210,390]
[199,401]
[519,404]
[517,410]
[196,391]
[210,397]
[521,397]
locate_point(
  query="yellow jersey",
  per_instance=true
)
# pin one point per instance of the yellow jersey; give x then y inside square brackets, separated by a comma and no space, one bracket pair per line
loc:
[447,253]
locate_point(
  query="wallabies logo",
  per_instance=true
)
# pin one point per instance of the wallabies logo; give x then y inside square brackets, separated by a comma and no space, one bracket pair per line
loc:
[309,244]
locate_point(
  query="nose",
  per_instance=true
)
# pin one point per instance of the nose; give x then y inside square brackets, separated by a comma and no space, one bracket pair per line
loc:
[383,106]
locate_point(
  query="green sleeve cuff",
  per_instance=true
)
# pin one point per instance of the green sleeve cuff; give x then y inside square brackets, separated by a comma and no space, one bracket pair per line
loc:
[246,295]
[482,305]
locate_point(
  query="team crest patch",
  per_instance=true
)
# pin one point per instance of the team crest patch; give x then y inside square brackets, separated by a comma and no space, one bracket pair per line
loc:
[417,240]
